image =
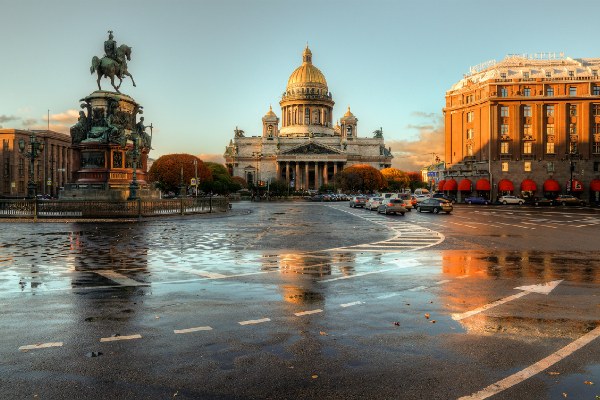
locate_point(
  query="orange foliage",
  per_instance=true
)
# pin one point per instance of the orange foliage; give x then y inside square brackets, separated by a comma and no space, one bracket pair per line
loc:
[369,178]
[166,171]
[395,178]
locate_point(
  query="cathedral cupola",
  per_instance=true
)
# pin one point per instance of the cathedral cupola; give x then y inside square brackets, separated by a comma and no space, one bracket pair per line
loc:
[349,122]
[270,124]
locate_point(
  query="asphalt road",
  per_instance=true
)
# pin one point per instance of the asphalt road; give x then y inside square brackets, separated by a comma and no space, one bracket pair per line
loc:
[304,300]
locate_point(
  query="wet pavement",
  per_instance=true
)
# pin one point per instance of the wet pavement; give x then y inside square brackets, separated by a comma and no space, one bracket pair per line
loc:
[304,300]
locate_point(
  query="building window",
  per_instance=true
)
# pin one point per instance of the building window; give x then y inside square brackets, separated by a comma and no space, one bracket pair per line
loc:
[525,75]
[596,166]
[573,110]
[504,148]
[550,129]
[470,116]
[527,147]
[596,150]
[527,129]
[549,91]
[550,148]
[596,90]
[571,74]
[307,116]
[550,167]
[504,129]
[470,150]
[504,111]
[572,129]
[503,92]
[573,148]
[548,74]
[349,131]
[595,73]
[5,144]
[504,166]
[527,92]
[470,134]
[527,111]
[550,110]
[503,75]
[527,166]
[572,91]
[596,110]
[595,128]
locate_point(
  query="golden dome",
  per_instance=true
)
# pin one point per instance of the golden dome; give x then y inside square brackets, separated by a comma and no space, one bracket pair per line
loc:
[348,113]
[307,74]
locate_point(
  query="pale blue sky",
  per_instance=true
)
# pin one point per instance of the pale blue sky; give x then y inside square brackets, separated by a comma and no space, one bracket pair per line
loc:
[203,67]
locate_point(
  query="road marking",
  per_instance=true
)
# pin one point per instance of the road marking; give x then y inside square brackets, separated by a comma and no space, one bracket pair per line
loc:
[468,226]
[299,314]
[354,303]
[206,274]
[117,338]
[416,289]
[442,282]
[536,368]
[254,321]
[41,346]
[536,224]
[118,278]
[197,329]
[365,273]
[544,288]
[387,296]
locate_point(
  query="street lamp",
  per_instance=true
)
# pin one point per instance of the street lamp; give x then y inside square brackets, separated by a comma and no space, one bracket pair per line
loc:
[258,156]
[573,153]
[196,174]
[36,147]
[135,153]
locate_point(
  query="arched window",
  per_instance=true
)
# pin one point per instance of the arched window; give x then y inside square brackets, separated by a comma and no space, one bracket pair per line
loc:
[349,131]
[307,116]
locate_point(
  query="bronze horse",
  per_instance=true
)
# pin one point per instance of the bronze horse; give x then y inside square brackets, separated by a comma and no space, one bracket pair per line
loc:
[109,68]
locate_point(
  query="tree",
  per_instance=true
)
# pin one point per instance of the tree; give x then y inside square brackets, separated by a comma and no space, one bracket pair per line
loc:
[222,182]
[278,188]
[395,179]
[360,177]
[166,171]
[240,181]
[416,181]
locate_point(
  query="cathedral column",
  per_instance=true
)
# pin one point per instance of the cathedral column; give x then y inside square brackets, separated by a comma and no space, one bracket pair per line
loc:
[287,172]
[277,170]
[316,175]
[325,178]
[306,180]
[335,168]
[297,176]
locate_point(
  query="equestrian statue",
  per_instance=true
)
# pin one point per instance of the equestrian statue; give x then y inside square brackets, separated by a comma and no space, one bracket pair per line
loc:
[114,63]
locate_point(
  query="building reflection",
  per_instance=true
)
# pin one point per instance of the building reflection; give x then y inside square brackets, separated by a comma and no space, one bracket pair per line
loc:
[484,272]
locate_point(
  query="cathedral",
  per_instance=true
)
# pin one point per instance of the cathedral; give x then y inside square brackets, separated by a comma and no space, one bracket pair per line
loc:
[306,150]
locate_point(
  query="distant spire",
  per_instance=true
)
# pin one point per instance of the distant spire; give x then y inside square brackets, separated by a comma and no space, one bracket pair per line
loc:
[307,55]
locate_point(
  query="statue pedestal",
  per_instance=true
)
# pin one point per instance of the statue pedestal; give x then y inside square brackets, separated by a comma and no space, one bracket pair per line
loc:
[103,150]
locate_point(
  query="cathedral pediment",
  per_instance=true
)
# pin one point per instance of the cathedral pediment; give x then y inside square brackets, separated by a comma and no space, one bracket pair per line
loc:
[312,148]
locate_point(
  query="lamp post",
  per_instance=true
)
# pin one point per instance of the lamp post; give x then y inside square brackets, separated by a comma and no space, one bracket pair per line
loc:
[35,148]
[196,174]
[573,153]
[135,153]
[258,156]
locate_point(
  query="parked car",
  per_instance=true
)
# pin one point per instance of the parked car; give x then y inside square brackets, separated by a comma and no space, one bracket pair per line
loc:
[421,197]
[358,201]
[450,198]
[511,200]
[373,203]
[392,206]
[568,200]
[543,201]
[407,200]
[476,200]
[435,206]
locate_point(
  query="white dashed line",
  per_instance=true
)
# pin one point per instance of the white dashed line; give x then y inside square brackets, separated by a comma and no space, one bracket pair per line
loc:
[118,278]
[387,296]
[354,303]
[299,314]
[117,338]
[416,289]
[254,321]
[190,330]
[41,346]
[442,282]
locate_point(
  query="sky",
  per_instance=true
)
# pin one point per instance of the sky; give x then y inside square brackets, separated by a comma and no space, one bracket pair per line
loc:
[204,67]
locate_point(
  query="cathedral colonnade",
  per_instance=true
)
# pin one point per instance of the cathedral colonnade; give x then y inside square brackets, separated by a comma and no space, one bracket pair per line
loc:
[308,174]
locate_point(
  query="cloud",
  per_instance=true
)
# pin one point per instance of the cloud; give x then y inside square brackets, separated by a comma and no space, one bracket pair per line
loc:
[216,158]
[414,154]
[425,115]
[8,118]
[68,117]
[29,122]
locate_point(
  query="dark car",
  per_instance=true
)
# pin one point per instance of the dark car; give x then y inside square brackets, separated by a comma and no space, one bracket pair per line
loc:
[543,201]
[358,201]
[568,200]
[476,200]
[450,198]
[435,206]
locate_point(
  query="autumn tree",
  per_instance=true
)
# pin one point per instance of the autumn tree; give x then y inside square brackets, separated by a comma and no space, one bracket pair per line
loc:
[416,181]
[222,182]
[240,181]
[360,177]
[395,179]
[166,172]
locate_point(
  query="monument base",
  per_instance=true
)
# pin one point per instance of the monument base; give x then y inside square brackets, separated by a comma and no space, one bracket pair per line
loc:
[104,192]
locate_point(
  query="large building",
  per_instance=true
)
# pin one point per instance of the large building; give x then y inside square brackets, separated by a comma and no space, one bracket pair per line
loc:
[52,168]
[306,150]
[527,125]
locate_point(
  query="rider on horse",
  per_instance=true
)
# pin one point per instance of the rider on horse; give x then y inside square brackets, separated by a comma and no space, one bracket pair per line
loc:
[110,48]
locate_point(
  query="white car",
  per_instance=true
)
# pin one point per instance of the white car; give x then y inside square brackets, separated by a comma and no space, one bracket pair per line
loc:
[511,200]
[373,203]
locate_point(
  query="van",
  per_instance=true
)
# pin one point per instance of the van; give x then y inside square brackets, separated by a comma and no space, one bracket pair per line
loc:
[388,196]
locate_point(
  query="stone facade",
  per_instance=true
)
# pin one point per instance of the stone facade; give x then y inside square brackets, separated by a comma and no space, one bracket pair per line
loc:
[307,151]
[534,118]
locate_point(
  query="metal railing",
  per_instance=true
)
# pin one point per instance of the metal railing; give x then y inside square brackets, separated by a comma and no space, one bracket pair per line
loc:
[85,209]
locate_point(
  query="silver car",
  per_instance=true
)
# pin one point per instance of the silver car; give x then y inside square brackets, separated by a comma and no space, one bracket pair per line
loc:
[392,206]
[373,203]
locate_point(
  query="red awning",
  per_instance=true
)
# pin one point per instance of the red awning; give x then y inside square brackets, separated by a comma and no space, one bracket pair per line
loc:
[450,185]
[441,185]
[551,186]
[595,185]
[528,186]
[505,186]
[465,185]
[483,185]
[576,186]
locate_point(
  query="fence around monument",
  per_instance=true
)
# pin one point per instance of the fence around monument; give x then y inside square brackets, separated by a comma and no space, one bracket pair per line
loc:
[84,209]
